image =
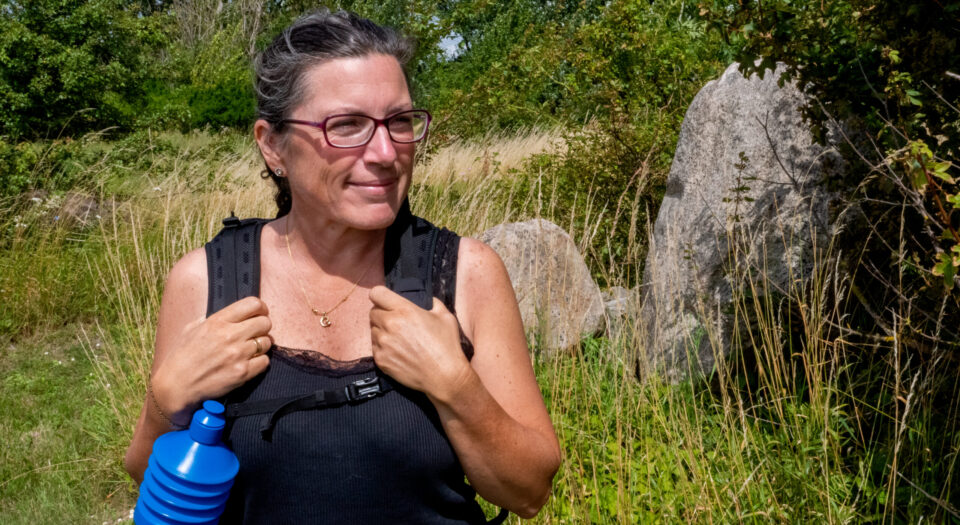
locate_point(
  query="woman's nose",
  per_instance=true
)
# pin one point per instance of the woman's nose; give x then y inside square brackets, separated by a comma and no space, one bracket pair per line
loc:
[381,148]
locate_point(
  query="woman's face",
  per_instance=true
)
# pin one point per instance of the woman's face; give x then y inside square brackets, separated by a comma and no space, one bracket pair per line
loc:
[360,187]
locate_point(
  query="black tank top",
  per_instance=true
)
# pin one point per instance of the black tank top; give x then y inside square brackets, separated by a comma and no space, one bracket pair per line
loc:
[384,460]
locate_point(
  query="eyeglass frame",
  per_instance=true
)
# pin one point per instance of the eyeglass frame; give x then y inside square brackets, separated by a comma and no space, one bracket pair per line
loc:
[377,122]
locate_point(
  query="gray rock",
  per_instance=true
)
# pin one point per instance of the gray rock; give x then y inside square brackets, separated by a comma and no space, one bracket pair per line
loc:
[621,306]
[78,209]
[35,197]
[616,301]
[557,296]
[745,179]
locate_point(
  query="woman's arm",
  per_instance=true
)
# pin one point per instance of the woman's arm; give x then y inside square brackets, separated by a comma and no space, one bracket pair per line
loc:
[195,358]
[490,408]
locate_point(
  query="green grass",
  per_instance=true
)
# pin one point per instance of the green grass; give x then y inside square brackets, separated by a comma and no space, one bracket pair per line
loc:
[62,452]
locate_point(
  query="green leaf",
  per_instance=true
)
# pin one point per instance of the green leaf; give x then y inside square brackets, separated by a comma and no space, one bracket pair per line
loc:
[919,179]
[947,268]
[940,171]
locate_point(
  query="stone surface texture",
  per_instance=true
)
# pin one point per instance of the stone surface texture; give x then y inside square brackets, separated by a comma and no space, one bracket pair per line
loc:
[772,211]
[79,209]
[558,299]
[622,307]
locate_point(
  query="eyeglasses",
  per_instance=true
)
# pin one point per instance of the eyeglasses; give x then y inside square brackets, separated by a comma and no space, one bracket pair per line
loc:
[355,130]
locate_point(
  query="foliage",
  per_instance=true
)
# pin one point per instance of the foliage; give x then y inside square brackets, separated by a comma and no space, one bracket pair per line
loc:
[68,67]
[63,447]
[888,72]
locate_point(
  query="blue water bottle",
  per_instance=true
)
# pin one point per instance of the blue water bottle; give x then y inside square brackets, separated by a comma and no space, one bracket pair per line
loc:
[189,474]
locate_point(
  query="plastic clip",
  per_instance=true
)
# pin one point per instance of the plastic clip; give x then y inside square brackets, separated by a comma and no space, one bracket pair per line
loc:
[363,389]
[232,221]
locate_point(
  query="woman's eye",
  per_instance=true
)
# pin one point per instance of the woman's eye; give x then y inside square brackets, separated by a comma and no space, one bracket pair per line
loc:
[401,123]
[345,126]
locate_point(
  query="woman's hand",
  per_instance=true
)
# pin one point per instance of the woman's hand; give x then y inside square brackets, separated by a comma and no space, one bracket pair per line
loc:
[210,357]
[419,348]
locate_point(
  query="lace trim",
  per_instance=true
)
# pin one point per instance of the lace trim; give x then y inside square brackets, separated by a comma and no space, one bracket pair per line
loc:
[445,279]
[314,361]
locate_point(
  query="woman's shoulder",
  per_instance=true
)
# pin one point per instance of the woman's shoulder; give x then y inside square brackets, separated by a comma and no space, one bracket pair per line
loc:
[187,281]
[190,268]
[482,279]
[476,256]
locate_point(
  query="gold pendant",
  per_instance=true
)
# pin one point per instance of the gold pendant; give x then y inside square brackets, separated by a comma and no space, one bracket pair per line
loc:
[324,320]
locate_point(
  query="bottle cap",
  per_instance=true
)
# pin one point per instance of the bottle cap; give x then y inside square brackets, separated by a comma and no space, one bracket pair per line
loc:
[208,422]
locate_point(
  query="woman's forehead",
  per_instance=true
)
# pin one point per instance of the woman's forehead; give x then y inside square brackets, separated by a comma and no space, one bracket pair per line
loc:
[370,84]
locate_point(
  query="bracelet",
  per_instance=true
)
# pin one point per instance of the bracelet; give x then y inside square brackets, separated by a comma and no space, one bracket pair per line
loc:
[156,406]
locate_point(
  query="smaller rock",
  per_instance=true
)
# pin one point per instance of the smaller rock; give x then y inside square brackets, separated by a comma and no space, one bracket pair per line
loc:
[35,196]
[78,209]
[615,301]
[622,307]
[556,293]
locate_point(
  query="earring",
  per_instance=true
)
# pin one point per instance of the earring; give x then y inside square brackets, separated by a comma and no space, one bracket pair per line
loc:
[278,172]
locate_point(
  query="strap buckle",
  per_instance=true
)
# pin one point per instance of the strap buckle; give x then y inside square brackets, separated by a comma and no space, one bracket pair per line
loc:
[363,389]
[232,221]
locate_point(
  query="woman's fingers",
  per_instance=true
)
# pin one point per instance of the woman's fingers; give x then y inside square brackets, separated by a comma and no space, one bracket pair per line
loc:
[242,310]
[419,348]
[256,366]
[386,299]
[253,326]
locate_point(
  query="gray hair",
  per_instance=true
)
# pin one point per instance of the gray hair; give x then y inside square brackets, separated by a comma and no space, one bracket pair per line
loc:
[313,39]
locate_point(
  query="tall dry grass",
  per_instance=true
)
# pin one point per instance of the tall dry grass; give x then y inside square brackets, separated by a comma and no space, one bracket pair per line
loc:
[494,155]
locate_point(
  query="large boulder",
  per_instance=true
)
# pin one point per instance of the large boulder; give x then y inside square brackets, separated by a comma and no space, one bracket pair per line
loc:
[558,299]
[745,186]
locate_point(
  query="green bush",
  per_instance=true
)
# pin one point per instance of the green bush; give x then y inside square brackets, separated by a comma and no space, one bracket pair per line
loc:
[68,67]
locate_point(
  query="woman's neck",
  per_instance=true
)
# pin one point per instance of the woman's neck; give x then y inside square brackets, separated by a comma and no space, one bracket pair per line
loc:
[333,247]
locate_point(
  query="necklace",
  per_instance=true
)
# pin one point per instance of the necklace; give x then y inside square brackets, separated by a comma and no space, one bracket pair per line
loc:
[324,314]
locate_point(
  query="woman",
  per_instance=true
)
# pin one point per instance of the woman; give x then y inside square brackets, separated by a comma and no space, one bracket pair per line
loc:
[337,130]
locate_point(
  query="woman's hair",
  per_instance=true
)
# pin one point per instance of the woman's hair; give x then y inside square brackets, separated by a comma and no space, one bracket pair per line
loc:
[313,39]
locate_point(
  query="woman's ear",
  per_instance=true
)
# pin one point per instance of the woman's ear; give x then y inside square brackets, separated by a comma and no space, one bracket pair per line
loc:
[269,143]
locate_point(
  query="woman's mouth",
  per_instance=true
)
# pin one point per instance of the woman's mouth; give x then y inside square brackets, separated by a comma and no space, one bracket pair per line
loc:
[374,187]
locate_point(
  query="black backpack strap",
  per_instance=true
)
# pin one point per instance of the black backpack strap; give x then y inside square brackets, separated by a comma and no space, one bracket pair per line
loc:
[233,263]
[408,257]
[273,409]
[233,266]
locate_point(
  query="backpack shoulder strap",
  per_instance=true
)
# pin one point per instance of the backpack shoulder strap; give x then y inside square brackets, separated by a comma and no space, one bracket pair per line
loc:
[408,257]
[233,262]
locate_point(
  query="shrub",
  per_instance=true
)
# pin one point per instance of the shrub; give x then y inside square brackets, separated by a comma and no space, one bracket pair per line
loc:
[68,67]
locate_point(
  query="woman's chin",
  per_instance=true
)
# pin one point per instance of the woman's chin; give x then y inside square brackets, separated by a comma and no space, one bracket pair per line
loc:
[374,216]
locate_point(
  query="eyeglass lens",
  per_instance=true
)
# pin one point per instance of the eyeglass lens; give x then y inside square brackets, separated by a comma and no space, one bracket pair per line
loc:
[356,130]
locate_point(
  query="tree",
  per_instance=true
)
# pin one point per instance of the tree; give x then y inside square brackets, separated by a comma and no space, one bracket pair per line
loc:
[72,66]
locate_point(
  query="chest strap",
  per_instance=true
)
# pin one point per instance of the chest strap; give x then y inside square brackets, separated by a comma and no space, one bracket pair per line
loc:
[355,392]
